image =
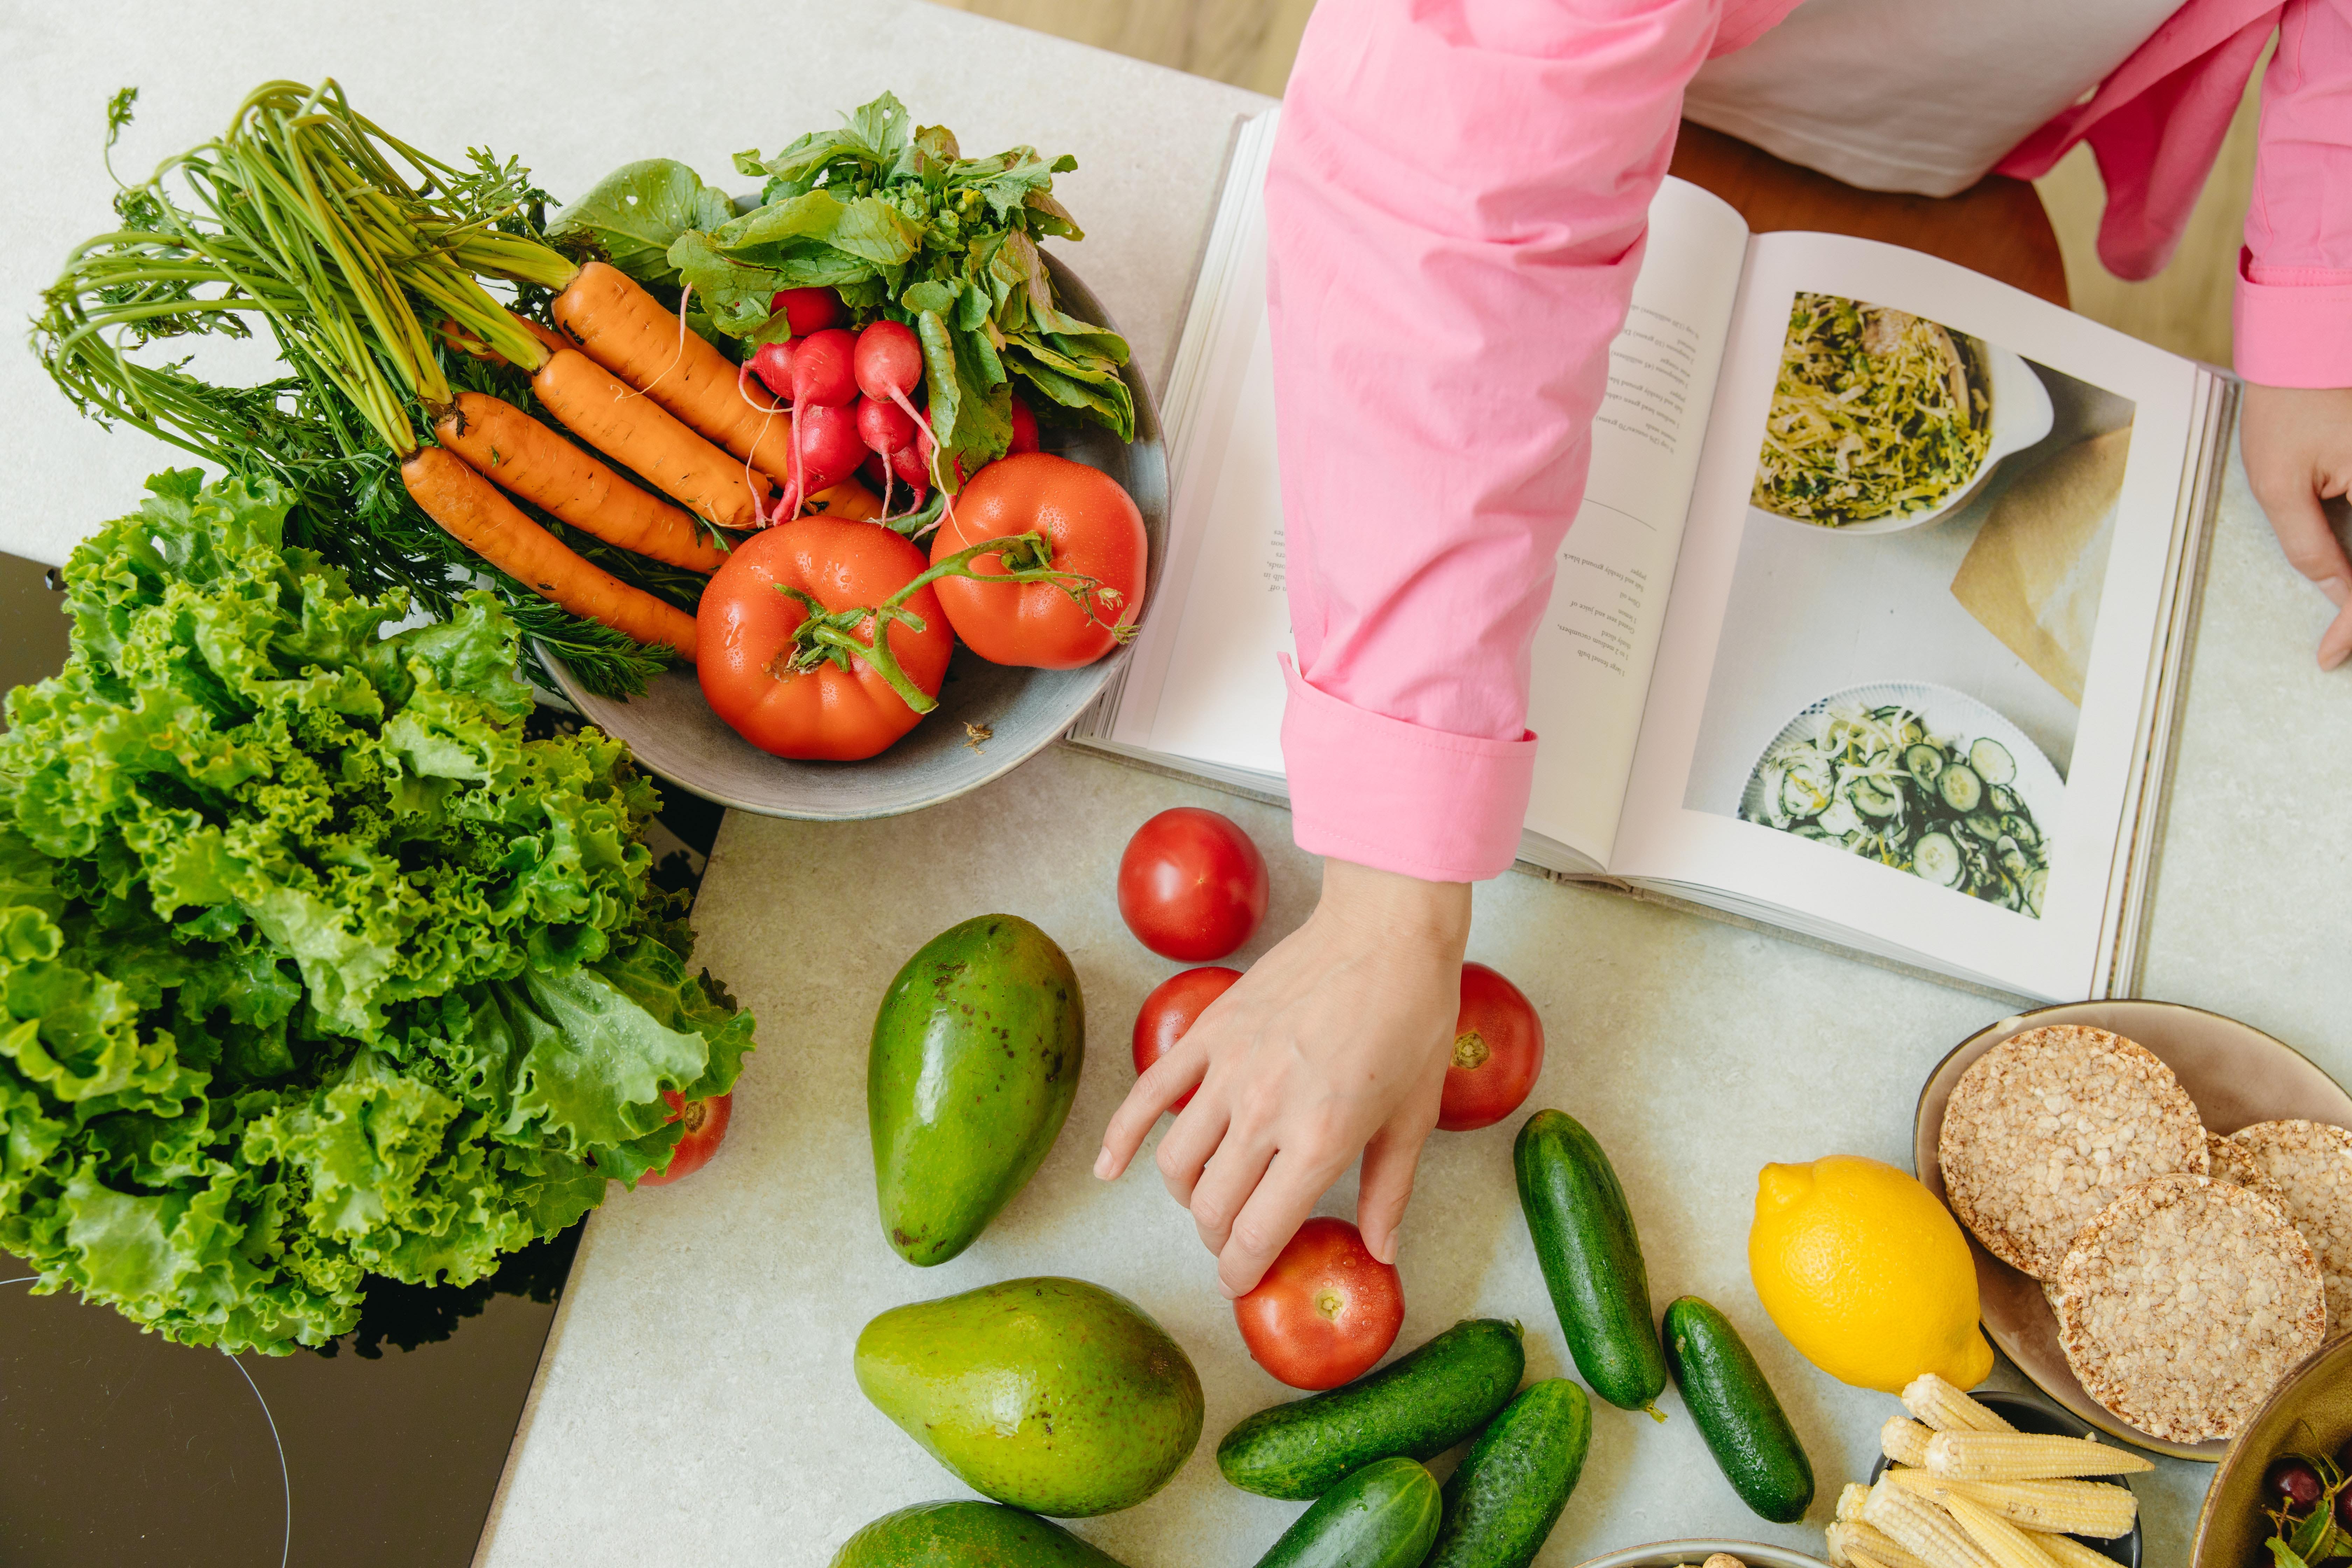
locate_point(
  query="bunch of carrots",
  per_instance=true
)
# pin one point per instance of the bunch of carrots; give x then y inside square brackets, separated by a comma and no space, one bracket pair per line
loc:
[367,259]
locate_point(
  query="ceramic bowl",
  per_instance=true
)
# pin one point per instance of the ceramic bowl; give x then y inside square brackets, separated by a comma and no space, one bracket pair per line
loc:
[2310,1413]
[2021,415]
[2235,1073]
[1674,1554]
[2030,1415]
[991,718]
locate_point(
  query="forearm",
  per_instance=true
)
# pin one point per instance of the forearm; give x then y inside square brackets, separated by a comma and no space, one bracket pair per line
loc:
[1455,214]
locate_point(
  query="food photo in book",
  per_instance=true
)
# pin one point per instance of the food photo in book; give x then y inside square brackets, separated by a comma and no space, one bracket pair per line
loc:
[1901,666]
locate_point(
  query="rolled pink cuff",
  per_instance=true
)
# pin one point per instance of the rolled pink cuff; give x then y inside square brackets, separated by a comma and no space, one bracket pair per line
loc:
[2293,325]
[1401,797]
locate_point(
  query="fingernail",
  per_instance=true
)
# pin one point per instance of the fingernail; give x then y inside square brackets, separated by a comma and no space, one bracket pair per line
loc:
[1227,1291]
[1103,1165]
[2334,657]
[2337,589]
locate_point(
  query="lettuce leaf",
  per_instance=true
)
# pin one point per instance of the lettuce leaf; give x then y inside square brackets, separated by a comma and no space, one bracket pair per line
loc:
[312,966]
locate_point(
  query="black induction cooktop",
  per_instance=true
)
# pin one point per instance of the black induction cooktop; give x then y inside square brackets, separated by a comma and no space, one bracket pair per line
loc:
[383,1449]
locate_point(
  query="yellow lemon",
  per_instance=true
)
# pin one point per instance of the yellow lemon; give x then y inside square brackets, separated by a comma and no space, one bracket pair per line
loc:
[1866,1273]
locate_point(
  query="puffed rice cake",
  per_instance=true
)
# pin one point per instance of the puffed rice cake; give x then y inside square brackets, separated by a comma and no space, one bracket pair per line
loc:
[2231,1162]
[2312,1164]
[2049,1127]
[2182,1304]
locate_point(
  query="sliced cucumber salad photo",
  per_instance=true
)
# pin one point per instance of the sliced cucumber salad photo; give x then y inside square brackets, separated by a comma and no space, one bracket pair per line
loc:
[1877,782]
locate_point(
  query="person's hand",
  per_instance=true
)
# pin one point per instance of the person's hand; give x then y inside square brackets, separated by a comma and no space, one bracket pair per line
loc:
[2297,443]
[1336,1042]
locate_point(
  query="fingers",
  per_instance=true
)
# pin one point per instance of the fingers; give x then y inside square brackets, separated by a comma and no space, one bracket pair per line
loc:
[1166,1081]
[1226,1183]
[1188,1145]
[1390,1160]
[1286,1195]
[2335,643]
[2312,547]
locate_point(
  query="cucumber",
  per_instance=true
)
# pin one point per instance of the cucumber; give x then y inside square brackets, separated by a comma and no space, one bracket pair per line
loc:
[1384,1515]
[1507,1494]
[1936,858]
[1416,1407]
[1961,787]
[1592,1260]
[1738,1413]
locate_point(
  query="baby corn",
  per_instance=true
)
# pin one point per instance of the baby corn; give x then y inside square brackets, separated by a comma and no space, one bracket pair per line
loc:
[1850,1500]
[1923,1527]
[1856,1544]
[2002,1541]
[1947,1408]
[2021,1456]
[2060,1507]
[1903,1440]
[2068,1552]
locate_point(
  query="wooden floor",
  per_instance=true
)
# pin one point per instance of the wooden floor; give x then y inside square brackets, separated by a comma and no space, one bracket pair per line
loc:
[1250,42]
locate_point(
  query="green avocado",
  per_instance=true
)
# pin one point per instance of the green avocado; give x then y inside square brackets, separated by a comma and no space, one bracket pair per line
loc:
[974,1066]
[1051,1395]
[966,1534]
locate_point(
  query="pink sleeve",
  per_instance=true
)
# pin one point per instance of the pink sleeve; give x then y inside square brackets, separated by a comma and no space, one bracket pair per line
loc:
[2294,314]
[1455,212]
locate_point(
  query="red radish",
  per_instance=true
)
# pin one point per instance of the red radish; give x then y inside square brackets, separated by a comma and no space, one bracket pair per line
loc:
[773,364]
[912,462]
[822,378]
[889,361]
[820,369]
[808,309]
[883,426]
[825,446]
[875,470]
[1024,429]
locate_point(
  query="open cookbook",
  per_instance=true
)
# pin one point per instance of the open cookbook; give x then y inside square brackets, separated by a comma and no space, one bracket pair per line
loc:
[1872,625]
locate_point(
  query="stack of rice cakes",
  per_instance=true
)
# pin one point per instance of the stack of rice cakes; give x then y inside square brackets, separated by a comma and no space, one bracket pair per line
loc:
[2190,1272]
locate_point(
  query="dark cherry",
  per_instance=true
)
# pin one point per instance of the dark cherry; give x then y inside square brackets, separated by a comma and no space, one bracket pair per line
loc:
[2293,1480]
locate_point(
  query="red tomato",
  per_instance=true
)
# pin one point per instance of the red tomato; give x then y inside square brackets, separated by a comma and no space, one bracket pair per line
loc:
[1498,1045]
[1191,886]
[1174,1006]
[1092,528]
[746,624]
[706,1129]
[1326,1311]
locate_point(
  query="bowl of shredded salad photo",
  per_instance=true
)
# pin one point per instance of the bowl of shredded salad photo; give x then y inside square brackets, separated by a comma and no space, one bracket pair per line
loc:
[1882,421]
[1920,778]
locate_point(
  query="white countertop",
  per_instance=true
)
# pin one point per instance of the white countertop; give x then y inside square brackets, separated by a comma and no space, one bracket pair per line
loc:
[698,1402]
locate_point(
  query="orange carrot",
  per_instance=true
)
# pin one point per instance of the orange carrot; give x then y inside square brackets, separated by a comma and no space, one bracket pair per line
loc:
[847,499]
[552,339]
[601,410]
[626,330]
[471,508]
[519,454]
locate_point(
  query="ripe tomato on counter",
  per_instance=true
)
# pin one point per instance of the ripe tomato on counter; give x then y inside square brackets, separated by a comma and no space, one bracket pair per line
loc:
[1191,885]
[1174,1006]
[706,1129]
[1091,528]
[1326,1311]
[1498,1050]
[746,626]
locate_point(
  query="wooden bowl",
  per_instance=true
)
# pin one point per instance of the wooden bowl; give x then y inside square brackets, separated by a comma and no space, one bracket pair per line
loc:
[2235,1073]
[2310,1413]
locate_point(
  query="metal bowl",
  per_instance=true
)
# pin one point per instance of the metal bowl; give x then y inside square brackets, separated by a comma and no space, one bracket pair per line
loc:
[2030,1415]
[991,718]
[1672,1553]
[2310,1413]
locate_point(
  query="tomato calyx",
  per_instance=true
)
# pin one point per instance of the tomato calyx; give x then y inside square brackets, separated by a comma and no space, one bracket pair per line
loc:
[832,636]
[1470,1049]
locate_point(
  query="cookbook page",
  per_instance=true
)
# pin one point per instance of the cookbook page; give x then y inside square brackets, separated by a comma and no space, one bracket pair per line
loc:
[1911,627]
[1212,692]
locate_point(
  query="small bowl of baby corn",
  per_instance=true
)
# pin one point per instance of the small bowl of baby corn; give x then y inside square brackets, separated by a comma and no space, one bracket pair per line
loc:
[1997,1478]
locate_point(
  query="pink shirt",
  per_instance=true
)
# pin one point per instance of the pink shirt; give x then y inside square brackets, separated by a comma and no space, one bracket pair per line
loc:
[1455,214]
